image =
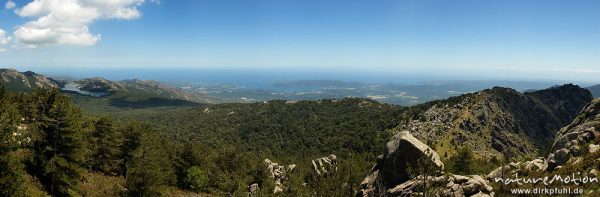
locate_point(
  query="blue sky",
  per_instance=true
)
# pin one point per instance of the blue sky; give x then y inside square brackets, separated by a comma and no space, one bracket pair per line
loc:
[556,40]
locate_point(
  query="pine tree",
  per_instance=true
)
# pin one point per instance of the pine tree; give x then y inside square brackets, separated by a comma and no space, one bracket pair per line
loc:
[108,147]
[463,161]
[132,134]
[149,166]
[12,174]
[188,155]
[63,146]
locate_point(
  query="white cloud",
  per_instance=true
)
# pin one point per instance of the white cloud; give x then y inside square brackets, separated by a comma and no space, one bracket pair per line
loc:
[67,21]
[3,40]
[585,71]
[10,5]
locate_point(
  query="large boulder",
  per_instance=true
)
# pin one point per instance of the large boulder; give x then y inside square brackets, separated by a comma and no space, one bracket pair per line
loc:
[534,165]
[325,165]
[505,171]
[593,148]
[404,158]
[446,185]
[278,173]
[253,189]
[558,158]
[509,170]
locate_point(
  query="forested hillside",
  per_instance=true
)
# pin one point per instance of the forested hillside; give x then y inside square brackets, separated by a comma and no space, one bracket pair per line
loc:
[279,128]
[53,148]
[49,147]
[286,132]
[295,148]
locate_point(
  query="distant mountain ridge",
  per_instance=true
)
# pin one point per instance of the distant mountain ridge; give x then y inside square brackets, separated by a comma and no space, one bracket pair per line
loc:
[595,89]
[497,121]
[125,93]
[25,81]
[136,86]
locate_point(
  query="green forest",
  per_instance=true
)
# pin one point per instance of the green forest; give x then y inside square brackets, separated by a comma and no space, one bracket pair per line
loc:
[51,147]
[56,144]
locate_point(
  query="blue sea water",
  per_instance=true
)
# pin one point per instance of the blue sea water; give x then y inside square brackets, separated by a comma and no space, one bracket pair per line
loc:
[262,78]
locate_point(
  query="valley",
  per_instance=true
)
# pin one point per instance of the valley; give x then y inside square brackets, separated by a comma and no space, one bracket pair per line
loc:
[186,131]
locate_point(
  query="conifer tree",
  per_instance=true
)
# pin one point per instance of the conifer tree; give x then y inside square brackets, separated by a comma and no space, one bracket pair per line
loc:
[12,175]
[108,147]
[149,165]
[464,160]
[64,141]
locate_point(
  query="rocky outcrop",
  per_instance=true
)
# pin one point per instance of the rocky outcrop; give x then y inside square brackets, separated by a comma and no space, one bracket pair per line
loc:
[511,118]
[325,165]
[577,139]
[509,170]
[410,168]
[253,189]
[497,121]
[403,155]
[572,144]
[445,186]
[278,173]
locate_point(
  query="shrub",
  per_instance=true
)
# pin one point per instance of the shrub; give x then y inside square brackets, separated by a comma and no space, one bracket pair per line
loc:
[197,179]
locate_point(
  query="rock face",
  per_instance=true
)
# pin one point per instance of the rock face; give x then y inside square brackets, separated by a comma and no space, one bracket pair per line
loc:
[325,165]
[572,143]
[278,173]
[497,121]
[577,139]
[392,168]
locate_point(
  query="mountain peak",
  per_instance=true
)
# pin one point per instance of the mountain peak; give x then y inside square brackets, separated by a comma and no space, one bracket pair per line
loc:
[25,81]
